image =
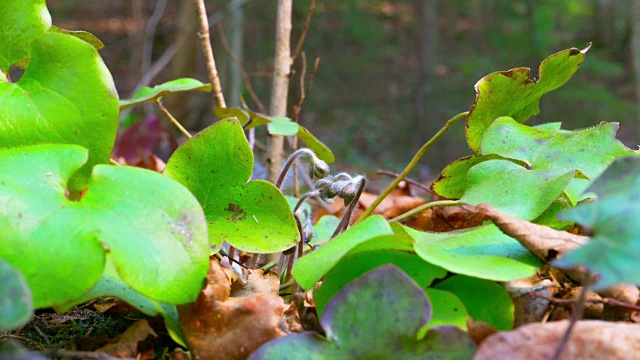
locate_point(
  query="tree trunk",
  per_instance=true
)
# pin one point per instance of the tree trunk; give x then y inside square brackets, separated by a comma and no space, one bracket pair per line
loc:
[280,88]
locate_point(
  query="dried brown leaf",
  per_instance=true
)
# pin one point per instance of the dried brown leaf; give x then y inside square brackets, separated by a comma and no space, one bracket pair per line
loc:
[544,242]
[257,282]
[217,326]
[590,339]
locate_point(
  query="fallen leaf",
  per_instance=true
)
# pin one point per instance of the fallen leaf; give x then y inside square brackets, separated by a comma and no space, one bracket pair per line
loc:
[257,282]
[627,293]
[544,242]
[391,206]
[217,326]
[529,309]
[456,218]
[590,339]
[125,345]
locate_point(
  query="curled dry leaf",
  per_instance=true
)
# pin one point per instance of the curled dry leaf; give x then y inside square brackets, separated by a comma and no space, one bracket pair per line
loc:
[590,339]
[529,309]
[217,326]
[257,282]
[544,242]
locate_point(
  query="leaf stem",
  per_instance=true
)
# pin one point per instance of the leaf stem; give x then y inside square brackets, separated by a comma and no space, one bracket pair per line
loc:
[424,207]
[173,120]
[412,163]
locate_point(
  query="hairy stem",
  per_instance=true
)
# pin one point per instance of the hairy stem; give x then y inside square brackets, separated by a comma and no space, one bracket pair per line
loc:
[412,163]
[346,218]
[290,162]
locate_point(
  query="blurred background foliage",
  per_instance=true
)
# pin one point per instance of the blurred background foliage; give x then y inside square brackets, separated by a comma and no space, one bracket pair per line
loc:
[391,71]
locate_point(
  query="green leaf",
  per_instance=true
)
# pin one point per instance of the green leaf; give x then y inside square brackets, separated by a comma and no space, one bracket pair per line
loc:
[452,182]
[588,151]
[67,96]
[513,93]
[152,227]
[225,113]
[447,310]
[147,94]
[22,22]
[282,126]
[613,250]
[82,35]
[324,229]
[215,165]
[321,150]
[111,285]
[16,303]
[313,266]
[483,252]
[279,126]
[356,263]
[513,189]
[484,300]
[377,316]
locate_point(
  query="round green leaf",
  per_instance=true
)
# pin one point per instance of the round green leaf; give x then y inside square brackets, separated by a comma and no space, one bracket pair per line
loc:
[513,189]
[16,302]
[513,93]
[147,94]
[152,227]
[355,264]
[484,300]
[22,21]
[215,165]
[452,182]
[313,266]
[66,95]
[484,252]
[39,234]
[377,316]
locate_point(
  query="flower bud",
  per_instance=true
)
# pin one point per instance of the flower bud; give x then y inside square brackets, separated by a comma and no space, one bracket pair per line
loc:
[319,169]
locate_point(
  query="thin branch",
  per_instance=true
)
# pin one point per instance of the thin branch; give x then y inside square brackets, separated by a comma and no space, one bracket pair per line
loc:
[424,207]
[412,163]
[243,73]
[607,301]
[407,179]
[173,120]
[149,34]
[305,29]
[205,42]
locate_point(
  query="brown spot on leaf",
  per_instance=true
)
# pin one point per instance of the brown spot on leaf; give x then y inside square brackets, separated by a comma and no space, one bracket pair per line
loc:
[237,213]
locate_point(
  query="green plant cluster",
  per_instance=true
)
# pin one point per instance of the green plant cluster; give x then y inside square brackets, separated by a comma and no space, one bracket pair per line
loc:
[73,228]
